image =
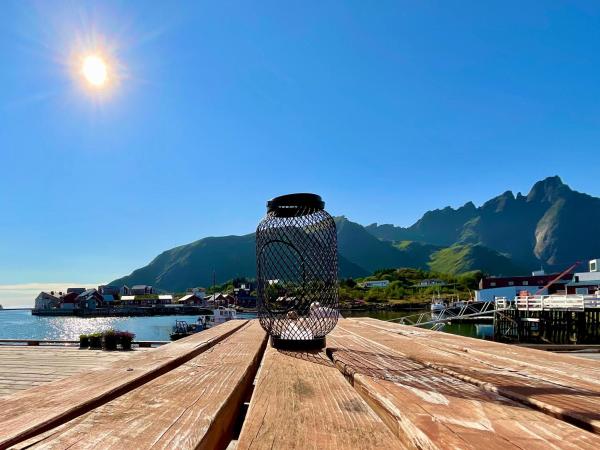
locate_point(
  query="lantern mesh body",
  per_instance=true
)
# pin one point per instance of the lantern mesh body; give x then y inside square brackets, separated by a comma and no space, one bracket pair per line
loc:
[297,270]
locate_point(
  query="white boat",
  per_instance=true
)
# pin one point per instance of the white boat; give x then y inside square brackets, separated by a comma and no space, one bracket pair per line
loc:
[223,314]
[437,305]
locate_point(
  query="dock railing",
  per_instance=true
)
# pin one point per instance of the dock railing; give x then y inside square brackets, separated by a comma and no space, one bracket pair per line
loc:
[548,302]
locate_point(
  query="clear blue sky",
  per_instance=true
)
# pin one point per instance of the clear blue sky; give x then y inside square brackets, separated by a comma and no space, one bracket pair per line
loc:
[386,109]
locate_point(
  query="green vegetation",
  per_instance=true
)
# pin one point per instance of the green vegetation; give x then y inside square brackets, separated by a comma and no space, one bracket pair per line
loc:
[228,286]
[462,258]
[403,287]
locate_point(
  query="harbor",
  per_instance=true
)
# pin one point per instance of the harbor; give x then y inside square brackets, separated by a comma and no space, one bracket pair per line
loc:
[552,319]
[376,384]
[137,301]
[221,228]
[22,326]
[561,308]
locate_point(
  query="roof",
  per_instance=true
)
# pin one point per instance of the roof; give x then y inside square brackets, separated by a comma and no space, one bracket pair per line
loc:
[584,283]
[140,286]
[587,276]
[87,293]
[186,297]
[127,297]
[219,296]
[77,290]
[69,297]
[165,297]
[48,294]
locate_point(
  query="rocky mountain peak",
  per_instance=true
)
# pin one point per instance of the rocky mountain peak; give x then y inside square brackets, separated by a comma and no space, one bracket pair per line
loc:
[547,190]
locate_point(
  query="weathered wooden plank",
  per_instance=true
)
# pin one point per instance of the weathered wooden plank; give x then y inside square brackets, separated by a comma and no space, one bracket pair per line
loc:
[35,410]
[519,377]
[21,364]
[561,364]
[302,401]
[192,406]
[429,409]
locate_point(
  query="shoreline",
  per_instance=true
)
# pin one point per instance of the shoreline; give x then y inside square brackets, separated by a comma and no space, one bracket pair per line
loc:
[195,310]
[125,312]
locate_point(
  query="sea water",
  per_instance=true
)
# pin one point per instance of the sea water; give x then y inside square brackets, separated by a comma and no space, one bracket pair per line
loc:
[20,324]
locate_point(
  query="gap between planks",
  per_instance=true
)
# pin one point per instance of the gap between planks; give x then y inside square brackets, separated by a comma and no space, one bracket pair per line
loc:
[561,386]
[44,407]
[428,409]
[192,406]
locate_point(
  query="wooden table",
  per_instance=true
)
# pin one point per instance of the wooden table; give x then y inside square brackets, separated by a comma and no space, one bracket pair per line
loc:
[377,385]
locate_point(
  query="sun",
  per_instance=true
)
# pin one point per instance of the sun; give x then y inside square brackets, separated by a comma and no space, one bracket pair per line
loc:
[95,70]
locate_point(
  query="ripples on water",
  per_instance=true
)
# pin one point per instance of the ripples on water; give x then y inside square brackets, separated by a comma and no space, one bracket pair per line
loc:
[22,325]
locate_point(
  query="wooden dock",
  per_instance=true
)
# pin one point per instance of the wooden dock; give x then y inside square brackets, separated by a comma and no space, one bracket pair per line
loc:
[377,385]
[23,367]
[556,319]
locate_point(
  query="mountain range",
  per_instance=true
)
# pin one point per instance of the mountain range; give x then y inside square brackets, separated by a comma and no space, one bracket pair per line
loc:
[550,227]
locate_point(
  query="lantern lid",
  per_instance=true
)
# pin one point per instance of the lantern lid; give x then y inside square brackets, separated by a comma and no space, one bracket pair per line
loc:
[288,204]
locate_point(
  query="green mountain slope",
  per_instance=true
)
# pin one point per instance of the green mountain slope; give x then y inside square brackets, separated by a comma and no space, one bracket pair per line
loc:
[551,226]
[464,258]
[360,254]
[364,250]
[193,264]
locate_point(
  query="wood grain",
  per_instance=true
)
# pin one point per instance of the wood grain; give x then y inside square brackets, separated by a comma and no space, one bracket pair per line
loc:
[429,409]
[35,410]
[302,402]
[192,406]
[24,367]
[563,386]
[562,364]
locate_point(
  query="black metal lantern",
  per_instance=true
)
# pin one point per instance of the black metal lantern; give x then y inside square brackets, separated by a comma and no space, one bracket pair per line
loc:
[296,263]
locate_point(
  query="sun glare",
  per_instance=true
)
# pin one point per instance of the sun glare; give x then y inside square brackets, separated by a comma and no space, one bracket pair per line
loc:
[94,70]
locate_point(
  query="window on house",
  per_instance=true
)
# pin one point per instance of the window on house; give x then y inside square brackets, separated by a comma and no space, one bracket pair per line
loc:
[511,283]
[493,283]
[525,283]
[593,266]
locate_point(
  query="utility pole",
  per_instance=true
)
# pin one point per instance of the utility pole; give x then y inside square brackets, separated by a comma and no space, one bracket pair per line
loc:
[214,285]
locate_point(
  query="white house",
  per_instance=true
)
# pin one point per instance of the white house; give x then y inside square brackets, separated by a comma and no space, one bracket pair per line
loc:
[431,282]
[165,299]
[584,283]
[47,300]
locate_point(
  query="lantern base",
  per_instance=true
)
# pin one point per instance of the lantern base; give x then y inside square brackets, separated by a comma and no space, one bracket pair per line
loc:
[297,344]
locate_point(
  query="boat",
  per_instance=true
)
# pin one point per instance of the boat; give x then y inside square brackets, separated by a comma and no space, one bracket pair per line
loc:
[437,305]
[223,314]
[183,329]
[219,315]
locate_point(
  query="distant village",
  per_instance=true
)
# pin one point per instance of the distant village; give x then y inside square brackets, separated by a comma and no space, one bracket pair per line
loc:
[145,300]
[141,299]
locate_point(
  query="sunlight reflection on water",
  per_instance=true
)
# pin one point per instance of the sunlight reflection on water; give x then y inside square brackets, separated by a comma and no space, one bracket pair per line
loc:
[22,325]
